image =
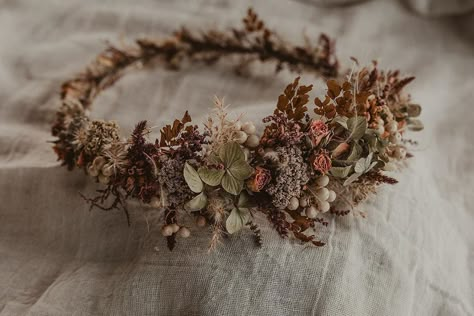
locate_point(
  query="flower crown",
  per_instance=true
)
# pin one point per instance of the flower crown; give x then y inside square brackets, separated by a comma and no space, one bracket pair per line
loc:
[308,160]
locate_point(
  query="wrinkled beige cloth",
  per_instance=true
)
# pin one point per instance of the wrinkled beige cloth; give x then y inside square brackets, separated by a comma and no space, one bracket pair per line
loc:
[412,255]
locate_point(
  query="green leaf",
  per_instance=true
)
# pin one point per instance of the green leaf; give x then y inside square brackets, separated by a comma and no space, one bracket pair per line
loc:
[237,220]
[231,184]
[197,203]
[341,120]
[355,152]
[240,169]
[352,178]
[340,172]
[357,125]
[192,178]
[230,153]
[244,201]
[211,177]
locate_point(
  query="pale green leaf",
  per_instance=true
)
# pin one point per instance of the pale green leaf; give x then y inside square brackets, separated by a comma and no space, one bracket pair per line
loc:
[341,120]
[244,201]
[352,178]
[241,170]
[357,125]
[237,220]
[340,172]
[230,153]
[360,166]
[197,203]
[210,176]
[355,152]
[192,178]
[231,184]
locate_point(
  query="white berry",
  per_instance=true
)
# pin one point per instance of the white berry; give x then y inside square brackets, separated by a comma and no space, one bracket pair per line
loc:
[311,212]
[332,196]
[322,194]
[240,137]
[174,227]
[201,221]
[303,202]
[184,232]
[380,130]
[238,125]
[392,127]
[322,181]
[323,206]
[294,203]
[249,128]
[252,141]
[167,231]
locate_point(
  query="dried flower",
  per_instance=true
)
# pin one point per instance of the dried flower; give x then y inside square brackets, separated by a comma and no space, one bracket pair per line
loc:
[322,162]
[259,180]
[318,130]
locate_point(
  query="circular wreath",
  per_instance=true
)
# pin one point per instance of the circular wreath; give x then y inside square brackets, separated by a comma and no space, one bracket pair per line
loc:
[304,163]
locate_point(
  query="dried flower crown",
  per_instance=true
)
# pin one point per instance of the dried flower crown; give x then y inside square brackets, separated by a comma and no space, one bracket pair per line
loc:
[300,166]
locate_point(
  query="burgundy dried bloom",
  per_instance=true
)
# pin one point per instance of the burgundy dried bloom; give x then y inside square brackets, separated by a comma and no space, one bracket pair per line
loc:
[322,162]
[260,179]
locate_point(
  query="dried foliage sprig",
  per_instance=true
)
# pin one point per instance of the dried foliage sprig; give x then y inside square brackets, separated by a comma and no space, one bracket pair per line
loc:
[309,161]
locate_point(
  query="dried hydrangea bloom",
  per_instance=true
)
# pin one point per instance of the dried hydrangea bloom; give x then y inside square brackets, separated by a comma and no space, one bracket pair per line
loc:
[292,174]
[99,135]
[171,176]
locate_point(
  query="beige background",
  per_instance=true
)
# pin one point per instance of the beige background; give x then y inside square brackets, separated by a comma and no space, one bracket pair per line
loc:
[413,255]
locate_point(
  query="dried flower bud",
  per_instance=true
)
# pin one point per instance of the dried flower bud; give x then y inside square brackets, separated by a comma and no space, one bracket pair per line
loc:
[259,180]
[107,170]
[93,172]
[98,162]
[103,179]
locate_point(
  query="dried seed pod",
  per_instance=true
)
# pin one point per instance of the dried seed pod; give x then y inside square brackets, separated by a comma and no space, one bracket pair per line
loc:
[175,227]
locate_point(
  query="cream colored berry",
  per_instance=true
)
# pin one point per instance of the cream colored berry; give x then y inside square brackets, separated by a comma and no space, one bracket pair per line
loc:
[322,194]
[174,227]
[155,202]
[332,196]
[249,128]
[294,204]
[183,232]
[380,130]
[303,202]
[311,212]
[201,221]
[324,206]
[322,181]
[396,138]
[390,166]
[392,127]
[240,137]
[252,141]
[238,125]
[167,231]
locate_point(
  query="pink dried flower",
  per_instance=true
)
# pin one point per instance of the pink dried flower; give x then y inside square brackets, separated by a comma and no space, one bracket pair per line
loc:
[260,179]
[322,162]
[318,130]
